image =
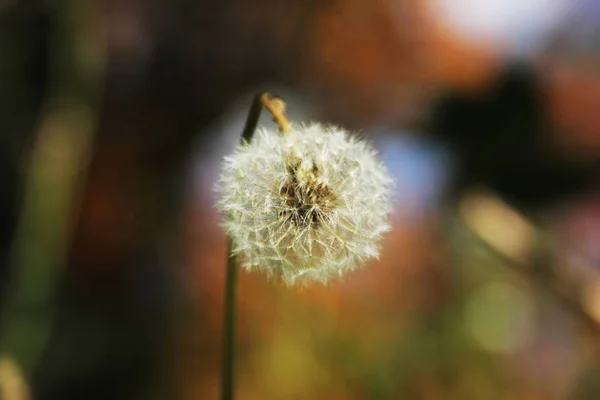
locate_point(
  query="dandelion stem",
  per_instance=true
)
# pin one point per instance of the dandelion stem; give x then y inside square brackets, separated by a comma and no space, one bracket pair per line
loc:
[230,324]
[253,117]
[276,107]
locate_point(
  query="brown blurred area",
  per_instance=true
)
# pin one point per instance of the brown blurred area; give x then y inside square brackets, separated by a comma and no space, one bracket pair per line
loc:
[135,310]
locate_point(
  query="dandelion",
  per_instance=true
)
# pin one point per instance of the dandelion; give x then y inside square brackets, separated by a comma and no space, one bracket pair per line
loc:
[310,204]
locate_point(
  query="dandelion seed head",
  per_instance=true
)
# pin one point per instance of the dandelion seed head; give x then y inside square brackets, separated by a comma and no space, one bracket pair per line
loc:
[307,205]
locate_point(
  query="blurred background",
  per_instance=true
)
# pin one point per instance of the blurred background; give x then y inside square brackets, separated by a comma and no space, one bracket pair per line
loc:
[115,116]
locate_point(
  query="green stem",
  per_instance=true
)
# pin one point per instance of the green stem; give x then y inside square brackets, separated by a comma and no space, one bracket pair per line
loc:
[230,324]
[253,117]
[232,276]
[53,185]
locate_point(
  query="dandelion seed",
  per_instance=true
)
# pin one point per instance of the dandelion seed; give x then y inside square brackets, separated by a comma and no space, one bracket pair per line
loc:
[307,205]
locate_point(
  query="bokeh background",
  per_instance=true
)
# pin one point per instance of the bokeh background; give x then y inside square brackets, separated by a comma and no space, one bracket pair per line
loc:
[115,116]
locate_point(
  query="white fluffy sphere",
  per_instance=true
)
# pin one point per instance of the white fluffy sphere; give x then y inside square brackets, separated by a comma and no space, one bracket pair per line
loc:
[306,205]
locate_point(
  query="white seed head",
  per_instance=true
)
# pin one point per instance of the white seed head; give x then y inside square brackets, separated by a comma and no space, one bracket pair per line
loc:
[306,205]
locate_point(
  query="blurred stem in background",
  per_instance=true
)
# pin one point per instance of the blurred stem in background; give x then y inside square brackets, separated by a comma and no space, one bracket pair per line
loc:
[529,250]
[57,168]
[276,106]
